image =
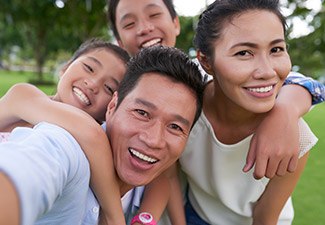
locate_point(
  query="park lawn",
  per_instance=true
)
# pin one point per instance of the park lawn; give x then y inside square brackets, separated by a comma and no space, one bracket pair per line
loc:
[9,78]
[309,195]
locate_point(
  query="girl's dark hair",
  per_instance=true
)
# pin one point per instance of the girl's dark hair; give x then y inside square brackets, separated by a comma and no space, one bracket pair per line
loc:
[111,16]
[168,62]
[213,19]
[95,43]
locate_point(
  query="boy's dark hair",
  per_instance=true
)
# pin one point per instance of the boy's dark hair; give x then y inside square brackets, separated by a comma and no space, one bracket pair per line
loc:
[95,43]
[168,62]
[111,16]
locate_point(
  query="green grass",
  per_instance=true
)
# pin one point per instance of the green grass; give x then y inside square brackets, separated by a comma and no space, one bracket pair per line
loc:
[9,78]
[309,195]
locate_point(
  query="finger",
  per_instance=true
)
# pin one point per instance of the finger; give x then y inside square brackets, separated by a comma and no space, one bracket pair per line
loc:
[283,166]
[272,167]
[261,164]
[251,156]
[293,163]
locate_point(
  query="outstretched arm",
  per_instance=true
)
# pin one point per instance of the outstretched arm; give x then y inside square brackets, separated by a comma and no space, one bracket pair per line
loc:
[274,147]
[28,103]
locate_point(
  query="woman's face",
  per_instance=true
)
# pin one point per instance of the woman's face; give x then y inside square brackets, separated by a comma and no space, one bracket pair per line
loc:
[251,61]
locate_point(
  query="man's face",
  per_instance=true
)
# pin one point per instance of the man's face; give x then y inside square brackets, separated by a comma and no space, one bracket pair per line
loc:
[149,129]
[143,23]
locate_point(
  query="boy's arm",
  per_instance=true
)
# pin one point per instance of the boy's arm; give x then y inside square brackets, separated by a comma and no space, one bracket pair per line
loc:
[274,147]
[26,102]
[269,206]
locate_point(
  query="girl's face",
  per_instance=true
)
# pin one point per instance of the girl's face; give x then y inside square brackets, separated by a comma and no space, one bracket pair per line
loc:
[89,82]
[251,61]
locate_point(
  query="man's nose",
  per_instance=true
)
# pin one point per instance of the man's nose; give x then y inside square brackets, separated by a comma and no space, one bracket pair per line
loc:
[154,136]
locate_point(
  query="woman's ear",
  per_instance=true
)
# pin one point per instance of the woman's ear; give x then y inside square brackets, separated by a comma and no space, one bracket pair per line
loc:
[204,61]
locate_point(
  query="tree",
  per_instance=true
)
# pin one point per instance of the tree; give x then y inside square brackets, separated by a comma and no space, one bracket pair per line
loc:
[43,27]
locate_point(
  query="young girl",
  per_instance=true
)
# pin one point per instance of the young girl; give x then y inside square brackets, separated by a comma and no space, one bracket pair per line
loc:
[87,82]
[242,44]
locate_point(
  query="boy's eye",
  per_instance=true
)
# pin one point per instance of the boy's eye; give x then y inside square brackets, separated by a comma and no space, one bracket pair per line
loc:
[109,89]
[155,14]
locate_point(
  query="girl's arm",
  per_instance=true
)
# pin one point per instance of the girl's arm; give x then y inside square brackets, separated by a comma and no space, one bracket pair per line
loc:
[275,145]
[269,206]
[28,103]
[164,190]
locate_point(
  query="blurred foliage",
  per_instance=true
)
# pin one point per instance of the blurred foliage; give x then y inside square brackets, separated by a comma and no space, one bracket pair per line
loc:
[41,28]
[42,31]
[308,52]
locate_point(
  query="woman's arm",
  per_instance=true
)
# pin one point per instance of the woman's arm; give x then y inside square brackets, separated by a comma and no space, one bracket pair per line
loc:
[269,206]
[28,103]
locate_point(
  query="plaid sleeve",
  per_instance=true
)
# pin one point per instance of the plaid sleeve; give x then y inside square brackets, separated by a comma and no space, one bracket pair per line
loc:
[315,88]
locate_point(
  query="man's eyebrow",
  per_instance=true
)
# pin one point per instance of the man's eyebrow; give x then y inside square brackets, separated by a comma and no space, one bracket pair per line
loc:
[154,107]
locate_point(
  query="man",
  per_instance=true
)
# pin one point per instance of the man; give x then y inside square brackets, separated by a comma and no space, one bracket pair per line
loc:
[147,121]
[138,24]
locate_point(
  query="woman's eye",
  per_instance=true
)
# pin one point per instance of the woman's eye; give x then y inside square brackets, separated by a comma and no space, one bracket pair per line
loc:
[277,49]
[242,53]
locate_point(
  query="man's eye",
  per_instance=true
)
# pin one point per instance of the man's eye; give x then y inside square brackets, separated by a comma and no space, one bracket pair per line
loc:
[142,112]
[176,127]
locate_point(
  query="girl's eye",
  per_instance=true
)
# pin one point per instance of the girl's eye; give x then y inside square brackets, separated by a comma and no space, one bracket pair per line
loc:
[109,89]
[88,68]
[128,25]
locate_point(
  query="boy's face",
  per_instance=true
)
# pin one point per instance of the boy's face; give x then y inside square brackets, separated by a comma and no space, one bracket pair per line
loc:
[143,23]
[149,129]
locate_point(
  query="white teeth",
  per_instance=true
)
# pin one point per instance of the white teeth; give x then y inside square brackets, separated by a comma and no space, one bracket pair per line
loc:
[81,95]
[151,43]
[261,90]
[142,156]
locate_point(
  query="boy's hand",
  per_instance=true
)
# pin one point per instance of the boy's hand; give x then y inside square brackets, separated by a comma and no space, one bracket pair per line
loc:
[274,147]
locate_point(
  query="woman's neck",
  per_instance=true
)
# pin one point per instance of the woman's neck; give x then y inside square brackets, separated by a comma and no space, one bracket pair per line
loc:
[230,122]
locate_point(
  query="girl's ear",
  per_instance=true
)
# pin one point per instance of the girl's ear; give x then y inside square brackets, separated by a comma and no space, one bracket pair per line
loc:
[204,61]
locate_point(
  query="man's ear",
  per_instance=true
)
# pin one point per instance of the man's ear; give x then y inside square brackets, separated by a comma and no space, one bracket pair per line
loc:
[204,61]
[112,104]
